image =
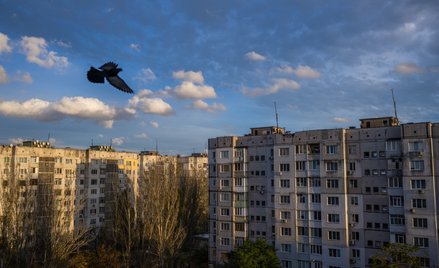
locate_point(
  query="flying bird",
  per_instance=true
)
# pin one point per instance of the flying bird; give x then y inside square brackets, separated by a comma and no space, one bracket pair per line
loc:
[109,71]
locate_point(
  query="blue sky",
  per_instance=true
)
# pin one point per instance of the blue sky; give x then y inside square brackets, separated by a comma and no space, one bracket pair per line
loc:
[202,69]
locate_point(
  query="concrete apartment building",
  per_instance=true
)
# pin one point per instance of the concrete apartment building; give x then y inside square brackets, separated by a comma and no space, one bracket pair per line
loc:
[326,198]
[83,183]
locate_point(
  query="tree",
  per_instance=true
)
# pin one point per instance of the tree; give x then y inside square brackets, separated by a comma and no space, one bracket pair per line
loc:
[396,256]
[254,255]
[161,232]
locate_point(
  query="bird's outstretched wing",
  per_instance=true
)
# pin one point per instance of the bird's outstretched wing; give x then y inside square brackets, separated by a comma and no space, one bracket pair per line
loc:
[109,66]
[95,76]
[118,83]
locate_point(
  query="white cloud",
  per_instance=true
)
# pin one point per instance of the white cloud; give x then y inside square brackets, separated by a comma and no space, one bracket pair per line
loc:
[154,124]
[135,47]
[408,68]
[117,141]
[4,47]
[16,141]
[72,107]
[201,105]
[36,52]
[24,77]
[190,76]
[278,85]
[301,71]
[145,75]
[254,56]
[141,136]
[341,120]
[189,90]
[63,44]
[150,105]
[3,75]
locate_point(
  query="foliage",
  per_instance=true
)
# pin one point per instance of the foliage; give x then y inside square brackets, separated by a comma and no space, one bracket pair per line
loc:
[254,255]
[395,256]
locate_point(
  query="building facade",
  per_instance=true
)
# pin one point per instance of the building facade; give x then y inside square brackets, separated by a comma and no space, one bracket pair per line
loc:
[326,198]
[83,184]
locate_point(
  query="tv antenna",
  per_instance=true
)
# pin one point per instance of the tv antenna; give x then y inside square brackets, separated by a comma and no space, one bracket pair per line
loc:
[394,104]
[277,117]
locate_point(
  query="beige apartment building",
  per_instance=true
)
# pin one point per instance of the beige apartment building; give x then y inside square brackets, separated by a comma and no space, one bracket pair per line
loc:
[82,183]
[326,198]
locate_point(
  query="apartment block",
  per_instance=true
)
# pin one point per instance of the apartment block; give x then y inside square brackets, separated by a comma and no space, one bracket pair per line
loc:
[82,183]
[326,198]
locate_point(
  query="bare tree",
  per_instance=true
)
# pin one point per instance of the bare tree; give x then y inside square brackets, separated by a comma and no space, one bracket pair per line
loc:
[161,232]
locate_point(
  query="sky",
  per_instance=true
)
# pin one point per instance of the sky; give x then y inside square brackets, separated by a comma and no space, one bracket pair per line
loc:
[205,68]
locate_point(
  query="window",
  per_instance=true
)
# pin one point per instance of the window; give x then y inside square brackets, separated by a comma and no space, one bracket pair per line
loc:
[317,215]
[300,149]
[300,165]
[331,183]
[224,154]
[421,242]
[419,203]
[333,200]
[224,196]
[316,232]
[334,252]
[396,201]
[284,167]
[397,219]
[331,166]
[302,248]
[355,218]
[225,212]
[285,247]
[333,235]
[225,183]
[417,165]
[239,181]
[301,182]
[420,223]
[314,182]
[302,230]
[301,198]
[423,261]
[284,151]
[314,165]
[284,199]
[285,231]
[356,253]
[285,183]
[225,226]
[354,200]
[331,149]
[285,215]
[352,166]
[392,145]
[334,218]
[355,236]
[225,241]
[395,182]
[416,146]
[400,238]
[418,184]
[315,198]
[353,183]
[224,168]
[93,191]
[316,249]
[302,214]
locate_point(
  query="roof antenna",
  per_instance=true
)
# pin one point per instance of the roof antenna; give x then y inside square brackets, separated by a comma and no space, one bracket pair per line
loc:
[394,104]
[277,118]
[91,141]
